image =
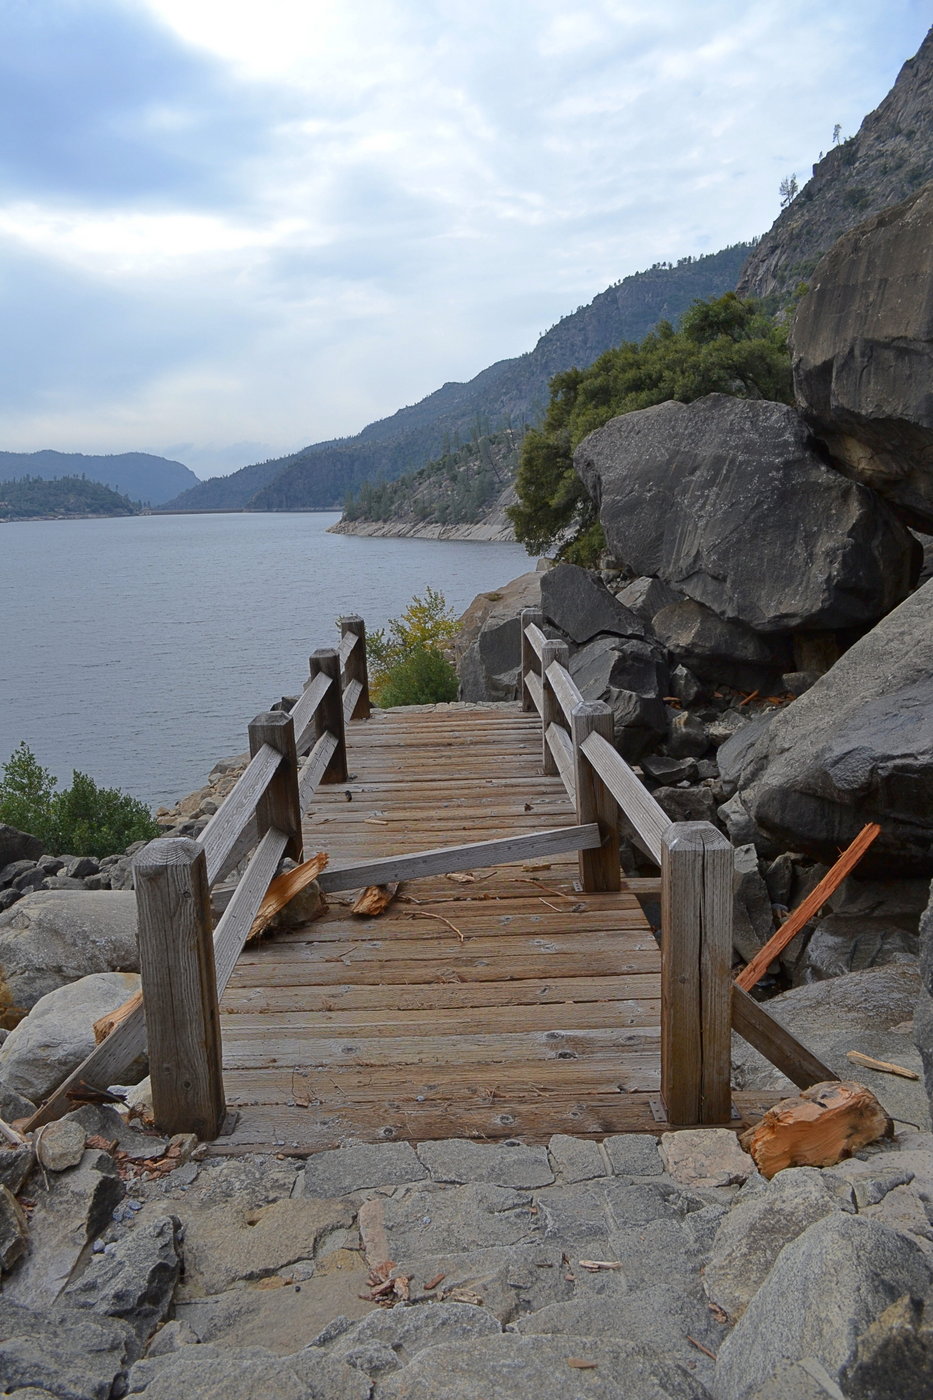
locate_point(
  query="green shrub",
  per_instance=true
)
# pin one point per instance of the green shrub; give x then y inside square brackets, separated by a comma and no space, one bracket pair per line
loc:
[423,677]
[83,820]
[407,664]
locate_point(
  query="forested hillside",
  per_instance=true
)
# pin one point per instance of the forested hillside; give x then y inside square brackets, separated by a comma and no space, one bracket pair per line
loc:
[34,496]
[457,488]
[508,394]
[140,475]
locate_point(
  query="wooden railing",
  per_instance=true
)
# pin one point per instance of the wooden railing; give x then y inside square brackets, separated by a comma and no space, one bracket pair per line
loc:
[186,963]
[700,1005]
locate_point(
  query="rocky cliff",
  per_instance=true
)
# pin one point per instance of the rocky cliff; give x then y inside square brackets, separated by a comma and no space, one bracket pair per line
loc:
[889,158]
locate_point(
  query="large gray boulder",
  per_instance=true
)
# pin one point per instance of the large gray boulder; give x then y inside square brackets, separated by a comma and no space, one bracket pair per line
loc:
[487,648]
[731,502]
[17,845]
[59,1033]
[723,653]
[824,1290]
[56,936]
[857,747]
[580,605]
[863,355]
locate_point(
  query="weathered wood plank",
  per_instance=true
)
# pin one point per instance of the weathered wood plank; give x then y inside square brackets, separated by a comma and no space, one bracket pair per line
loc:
[647,816]
[314,767]
[305,708]
[771,1039]
[351,696]
[236,920]
[531,621]
[599,866]
[176,963]
[552,653]
[523,991]
[533,686]
[475,856]
[328,717]
[565,689]
[696,951]
[279,807]
[236,813]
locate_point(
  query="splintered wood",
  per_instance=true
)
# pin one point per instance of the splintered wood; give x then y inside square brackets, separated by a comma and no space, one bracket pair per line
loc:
[822,1126]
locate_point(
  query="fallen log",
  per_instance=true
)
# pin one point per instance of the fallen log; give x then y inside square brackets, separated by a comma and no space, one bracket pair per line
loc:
[822,1126]
[375,900]
[805,911]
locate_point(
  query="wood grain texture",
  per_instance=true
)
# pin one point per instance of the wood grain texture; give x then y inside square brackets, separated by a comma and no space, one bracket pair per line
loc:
[313,768]
[176,963]
[237,919]
[354,662]
[647,816]
[236,814]
[599,866]
[279,806]
[305,708]
[754,1024]
[696,951]
[552,653]
[511,975]
[561,746]
[531,622]
[329,715]
[476,856]
[566,692]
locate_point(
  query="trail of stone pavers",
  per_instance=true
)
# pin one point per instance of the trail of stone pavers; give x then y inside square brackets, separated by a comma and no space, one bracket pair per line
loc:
[621,1269]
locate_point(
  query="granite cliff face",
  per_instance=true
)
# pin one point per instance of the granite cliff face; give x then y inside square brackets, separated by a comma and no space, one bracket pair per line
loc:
[889,159]
[863,356]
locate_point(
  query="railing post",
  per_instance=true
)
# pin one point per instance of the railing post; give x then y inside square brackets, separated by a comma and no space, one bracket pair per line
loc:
[176,962]
[357,669]
[551,712]
[280,805]
[329,717]
[599,869]
[530,660]
[696,977]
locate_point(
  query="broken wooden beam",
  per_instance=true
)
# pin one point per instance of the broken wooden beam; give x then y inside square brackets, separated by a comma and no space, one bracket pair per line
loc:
[805,911]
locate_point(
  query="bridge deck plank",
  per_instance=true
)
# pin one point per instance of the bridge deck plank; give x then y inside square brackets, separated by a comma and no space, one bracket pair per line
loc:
[507,1005]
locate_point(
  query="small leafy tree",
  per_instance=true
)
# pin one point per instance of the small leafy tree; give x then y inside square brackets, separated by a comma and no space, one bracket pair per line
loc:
[83,820]
[27,791]
[788,190]
[406,657]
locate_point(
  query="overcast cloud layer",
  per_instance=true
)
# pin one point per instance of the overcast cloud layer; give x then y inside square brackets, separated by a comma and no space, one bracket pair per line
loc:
[229,229]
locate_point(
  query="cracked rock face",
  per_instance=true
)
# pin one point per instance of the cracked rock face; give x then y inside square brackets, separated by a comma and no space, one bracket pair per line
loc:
[863,356]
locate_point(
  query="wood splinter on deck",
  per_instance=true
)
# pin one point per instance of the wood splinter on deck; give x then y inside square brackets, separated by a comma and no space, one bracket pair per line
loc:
[375,900]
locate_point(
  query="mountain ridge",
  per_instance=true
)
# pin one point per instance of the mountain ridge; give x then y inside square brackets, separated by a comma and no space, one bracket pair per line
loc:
[140,475]
[508,393]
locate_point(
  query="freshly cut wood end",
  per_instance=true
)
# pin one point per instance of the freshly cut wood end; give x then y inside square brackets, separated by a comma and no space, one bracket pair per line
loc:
[822,1126]
[282,891]
[375,900]
[105,1024]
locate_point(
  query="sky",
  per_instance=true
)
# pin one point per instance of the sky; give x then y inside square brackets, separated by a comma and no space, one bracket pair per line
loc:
[229,229]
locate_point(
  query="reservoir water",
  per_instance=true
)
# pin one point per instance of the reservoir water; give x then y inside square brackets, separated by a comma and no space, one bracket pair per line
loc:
[138,649]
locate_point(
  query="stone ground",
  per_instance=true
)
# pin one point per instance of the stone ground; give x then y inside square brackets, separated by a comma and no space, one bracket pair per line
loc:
[461,1271]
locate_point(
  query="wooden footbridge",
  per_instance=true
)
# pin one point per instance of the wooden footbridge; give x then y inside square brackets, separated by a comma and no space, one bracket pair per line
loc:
[515,986]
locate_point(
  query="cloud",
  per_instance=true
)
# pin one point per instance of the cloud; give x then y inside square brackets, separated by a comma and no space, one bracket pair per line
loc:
[225,223]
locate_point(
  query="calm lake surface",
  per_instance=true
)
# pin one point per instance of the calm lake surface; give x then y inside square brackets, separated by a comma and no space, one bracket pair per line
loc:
[137,650]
